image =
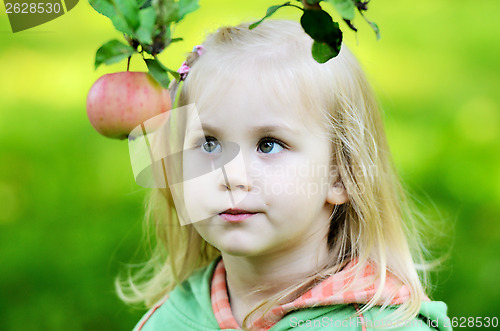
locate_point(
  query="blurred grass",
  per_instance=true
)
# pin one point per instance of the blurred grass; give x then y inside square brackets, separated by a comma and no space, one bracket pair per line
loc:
[71,212]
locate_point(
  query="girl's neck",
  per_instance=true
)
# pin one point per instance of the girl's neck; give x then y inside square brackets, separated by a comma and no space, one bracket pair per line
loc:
[252,280]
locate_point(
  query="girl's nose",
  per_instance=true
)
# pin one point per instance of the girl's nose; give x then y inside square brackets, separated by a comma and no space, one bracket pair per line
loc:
[235,175]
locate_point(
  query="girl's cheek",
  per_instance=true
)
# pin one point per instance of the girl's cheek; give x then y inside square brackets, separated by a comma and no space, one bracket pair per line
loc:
[280,186]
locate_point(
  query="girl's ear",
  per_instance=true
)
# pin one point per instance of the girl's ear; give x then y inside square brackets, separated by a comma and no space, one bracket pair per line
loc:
[337,194]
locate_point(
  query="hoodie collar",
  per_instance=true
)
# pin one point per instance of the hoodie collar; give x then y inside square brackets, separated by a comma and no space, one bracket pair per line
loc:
[328,292]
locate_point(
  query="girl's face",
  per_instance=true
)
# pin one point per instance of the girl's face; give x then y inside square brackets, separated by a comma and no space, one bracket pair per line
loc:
[271,189]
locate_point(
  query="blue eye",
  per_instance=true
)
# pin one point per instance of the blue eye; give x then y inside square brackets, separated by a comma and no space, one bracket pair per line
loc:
[211,145]
[270,146]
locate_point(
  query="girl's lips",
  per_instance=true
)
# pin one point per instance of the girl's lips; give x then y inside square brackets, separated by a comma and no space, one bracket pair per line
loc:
[236,215]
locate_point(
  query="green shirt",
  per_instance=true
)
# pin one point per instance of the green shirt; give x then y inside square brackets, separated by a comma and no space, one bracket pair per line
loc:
[189,307]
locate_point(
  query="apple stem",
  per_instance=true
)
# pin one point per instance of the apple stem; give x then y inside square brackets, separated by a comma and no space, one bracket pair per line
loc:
[128,62]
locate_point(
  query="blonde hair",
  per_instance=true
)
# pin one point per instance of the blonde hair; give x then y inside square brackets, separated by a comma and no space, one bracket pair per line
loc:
[377,226]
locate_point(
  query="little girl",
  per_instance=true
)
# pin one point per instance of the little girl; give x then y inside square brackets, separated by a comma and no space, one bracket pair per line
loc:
[282,209]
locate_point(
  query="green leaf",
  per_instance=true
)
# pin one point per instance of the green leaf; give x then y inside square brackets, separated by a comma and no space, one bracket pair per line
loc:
[147,18]
[103,7]
[111,52]
[110,9]
[158,71]
[144,3]
[121,24]
[186,7]
[322,52]
[345,8]
[129,10]
[320,26]
[175,74]
[271,10]
[170,12]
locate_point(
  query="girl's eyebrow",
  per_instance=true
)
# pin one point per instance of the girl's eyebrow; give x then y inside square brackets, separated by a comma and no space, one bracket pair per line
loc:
[275,128]
[258,130]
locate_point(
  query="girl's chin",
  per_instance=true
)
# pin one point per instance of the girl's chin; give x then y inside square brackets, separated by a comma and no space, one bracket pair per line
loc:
[239,252]
[243,247]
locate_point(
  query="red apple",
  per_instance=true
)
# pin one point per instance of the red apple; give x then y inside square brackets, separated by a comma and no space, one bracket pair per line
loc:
[119,102]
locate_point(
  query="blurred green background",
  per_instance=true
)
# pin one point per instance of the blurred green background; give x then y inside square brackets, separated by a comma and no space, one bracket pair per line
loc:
[70,211]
